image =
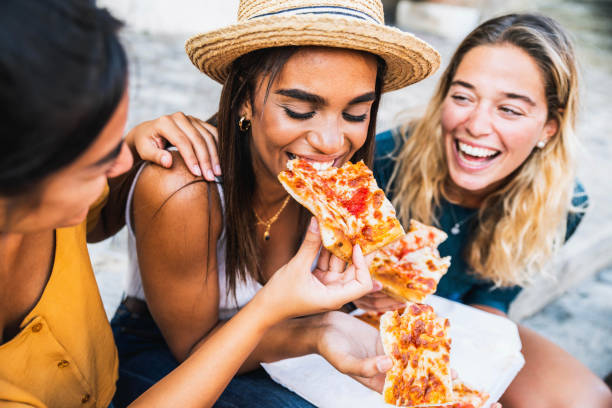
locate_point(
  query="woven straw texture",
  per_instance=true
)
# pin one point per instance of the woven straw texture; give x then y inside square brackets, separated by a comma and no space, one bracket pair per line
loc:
[408,58]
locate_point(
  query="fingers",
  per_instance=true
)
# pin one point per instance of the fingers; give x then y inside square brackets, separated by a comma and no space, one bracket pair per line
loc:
[362,274]
[367,367]
[376,286]
[192,146]
[323,262]
[310,246]
[208,134]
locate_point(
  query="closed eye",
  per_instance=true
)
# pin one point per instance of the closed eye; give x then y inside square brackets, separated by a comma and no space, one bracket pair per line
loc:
[352,118]
[298,115]
[510,111]
[460,98]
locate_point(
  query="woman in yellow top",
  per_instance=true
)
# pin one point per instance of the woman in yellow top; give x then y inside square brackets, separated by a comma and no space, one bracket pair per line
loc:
[63,80]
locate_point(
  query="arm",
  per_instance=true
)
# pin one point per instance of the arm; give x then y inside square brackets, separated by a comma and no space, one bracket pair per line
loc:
[196,143]
[177,222]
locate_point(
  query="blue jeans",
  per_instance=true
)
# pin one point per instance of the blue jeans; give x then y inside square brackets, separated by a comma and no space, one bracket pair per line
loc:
[144,359]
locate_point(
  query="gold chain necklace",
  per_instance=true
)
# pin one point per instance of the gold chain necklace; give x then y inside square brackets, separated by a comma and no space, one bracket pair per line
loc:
[271,220]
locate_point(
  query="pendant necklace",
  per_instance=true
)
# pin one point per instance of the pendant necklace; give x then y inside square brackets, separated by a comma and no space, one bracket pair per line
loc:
[456,229]
[271,220]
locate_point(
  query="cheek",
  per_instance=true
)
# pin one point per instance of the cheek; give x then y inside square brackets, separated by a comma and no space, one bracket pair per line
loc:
[357,134]
[518,139]
[450,116]
[272,128]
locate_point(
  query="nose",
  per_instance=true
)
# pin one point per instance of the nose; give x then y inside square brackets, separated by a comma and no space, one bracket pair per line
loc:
[123,162]
[479,121]
[328,138]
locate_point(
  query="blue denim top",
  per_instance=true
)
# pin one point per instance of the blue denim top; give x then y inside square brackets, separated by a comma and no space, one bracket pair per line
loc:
[458,284]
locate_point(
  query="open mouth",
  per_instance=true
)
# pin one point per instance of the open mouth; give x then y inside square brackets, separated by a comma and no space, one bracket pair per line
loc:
[474,157]
[316,164]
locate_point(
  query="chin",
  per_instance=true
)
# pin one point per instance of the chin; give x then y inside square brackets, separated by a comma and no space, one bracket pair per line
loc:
[469,182]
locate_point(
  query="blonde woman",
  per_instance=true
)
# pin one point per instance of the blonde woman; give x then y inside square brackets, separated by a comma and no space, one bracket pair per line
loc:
[492,162]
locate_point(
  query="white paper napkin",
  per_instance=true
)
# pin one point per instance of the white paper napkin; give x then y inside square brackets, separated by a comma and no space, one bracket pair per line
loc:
[485,351]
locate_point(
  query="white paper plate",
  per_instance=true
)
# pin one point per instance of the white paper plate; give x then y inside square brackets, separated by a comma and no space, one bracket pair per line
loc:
[486,352]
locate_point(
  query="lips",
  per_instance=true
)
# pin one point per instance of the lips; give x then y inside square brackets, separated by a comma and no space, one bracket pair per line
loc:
[472,157]
[316,163]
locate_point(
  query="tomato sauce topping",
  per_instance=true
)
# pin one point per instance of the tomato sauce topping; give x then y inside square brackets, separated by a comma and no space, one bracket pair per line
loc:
[357,203]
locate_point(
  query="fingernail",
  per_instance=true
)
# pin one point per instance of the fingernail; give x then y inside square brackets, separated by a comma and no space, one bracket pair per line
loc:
[209,175]
[217,170]
[166,160]
[384,364]
[196,170]
[314,225]
[376,285]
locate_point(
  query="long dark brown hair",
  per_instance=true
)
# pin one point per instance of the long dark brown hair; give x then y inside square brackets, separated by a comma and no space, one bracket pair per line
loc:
[241,256]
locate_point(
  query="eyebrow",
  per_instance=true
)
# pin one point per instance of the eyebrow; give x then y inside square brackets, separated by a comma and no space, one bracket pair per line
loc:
[510,95]
[110,156]
[318,100]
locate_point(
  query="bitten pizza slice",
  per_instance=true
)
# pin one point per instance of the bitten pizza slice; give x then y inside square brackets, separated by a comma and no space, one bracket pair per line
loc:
[347,202]
[408,272]
[466,396]
[419,346]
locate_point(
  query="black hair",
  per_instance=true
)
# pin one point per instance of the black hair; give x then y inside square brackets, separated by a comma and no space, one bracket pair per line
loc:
[63,73]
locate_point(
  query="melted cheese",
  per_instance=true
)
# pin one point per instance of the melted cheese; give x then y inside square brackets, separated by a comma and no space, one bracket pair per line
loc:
[417,342]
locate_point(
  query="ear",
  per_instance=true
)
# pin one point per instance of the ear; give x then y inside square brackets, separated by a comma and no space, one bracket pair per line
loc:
[550,129]
[246,109]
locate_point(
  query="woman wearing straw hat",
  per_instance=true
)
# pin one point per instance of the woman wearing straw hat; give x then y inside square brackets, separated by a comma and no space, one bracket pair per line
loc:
[60,145]
[301,78]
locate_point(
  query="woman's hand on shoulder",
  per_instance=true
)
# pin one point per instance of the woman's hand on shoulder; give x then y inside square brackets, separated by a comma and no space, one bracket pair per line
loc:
[195,140]
[294,290]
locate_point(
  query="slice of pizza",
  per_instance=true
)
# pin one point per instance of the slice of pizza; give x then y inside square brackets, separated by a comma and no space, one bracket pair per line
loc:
[373,318]
[347,202]
[420,235]
[419,346]
[466,396]
[407,271]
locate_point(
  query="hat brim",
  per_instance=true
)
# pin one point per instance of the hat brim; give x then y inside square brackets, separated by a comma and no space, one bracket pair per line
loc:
[408,58]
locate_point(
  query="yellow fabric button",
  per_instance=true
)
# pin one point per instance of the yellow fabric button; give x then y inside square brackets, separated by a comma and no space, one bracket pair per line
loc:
[85,398]
[63,364]
[37,327]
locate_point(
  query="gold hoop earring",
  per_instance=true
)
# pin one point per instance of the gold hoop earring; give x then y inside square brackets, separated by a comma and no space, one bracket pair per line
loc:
[244,124]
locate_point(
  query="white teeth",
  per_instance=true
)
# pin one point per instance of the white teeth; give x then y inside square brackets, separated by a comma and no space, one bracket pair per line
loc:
[476,151]
[321,165]
[317,165]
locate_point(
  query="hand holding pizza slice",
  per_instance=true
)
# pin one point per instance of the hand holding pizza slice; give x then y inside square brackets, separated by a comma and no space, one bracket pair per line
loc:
[348,204]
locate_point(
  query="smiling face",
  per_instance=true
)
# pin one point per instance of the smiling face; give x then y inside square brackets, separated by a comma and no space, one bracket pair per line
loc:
[64,197]
[318,108]
[493,116]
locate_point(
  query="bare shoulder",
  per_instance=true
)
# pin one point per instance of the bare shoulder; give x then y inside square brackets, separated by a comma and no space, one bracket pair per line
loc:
[176,193]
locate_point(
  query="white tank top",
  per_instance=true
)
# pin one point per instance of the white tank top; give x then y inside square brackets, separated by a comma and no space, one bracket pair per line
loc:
[228,306]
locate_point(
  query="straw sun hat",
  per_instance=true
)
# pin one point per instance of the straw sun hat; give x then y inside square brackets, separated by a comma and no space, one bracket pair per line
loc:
[352,24]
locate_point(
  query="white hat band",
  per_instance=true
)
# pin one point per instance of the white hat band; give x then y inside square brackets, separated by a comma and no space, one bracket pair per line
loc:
[331,10]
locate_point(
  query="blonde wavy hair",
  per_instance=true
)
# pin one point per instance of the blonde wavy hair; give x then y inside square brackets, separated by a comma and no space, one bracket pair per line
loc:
[523,223]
